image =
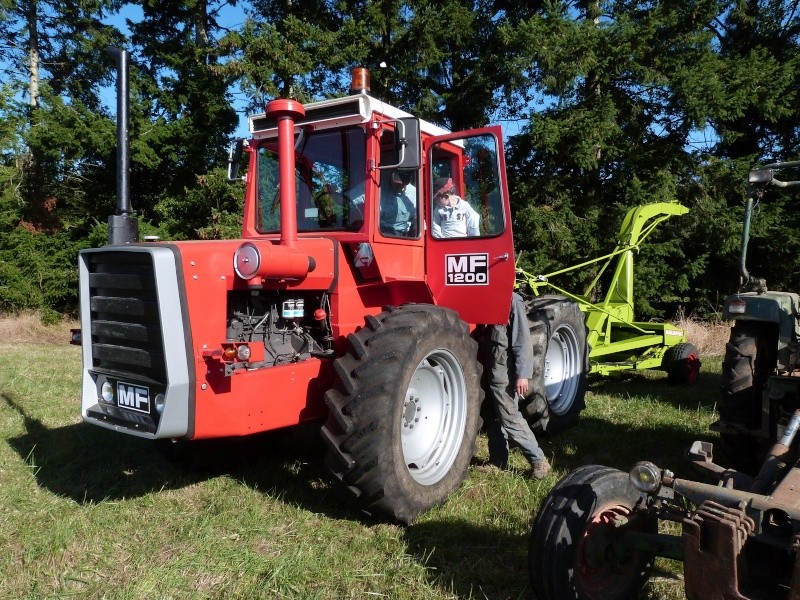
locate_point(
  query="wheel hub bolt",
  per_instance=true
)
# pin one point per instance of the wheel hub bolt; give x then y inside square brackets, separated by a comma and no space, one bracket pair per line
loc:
[409,409]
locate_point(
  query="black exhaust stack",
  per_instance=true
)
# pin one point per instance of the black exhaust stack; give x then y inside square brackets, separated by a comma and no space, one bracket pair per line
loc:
[123,228]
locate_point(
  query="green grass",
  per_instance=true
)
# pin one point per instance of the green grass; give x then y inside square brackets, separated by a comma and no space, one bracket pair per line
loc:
[85,512]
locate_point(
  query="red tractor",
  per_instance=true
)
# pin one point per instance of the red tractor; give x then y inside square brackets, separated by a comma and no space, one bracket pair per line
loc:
[341,304]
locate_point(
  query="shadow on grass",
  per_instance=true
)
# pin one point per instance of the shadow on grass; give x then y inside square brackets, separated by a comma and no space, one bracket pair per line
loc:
[705,392]
[472,561]
[599,442]
[89,464]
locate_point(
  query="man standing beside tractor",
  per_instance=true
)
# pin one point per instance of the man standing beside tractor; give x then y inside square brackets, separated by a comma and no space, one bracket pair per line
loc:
[507,354]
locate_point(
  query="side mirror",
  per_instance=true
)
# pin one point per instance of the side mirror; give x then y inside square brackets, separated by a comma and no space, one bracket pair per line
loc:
[235,160]
[408,143]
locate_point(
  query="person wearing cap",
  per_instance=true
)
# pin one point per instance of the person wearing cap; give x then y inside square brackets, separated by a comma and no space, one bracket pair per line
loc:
[507,356]
[452,216]
[398,210]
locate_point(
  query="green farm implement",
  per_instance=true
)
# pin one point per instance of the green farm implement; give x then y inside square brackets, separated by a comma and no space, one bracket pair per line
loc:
[616,340]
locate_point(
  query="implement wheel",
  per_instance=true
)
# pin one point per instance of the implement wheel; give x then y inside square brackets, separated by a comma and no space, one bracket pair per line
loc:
[682,363]
[575,547]
[405,412]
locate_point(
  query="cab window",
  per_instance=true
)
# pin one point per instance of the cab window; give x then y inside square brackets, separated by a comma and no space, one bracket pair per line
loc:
[330,169]
[465,187]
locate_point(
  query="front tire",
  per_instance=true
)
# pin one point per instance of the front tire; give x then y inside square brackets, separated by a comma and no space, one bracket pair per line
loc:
[561,364]
[405,412]
[572,550]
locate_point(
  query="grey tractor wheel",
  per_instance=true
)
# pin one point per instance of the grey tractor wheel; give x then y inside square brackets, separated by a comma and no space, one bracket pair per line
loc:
[573,551]
[405,412]
[750,357]
[561,364]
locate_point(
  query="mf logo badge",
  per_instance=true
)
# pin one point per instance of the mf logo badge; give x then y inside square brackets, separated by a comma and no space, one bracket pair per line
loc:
[467,269]
[134,397]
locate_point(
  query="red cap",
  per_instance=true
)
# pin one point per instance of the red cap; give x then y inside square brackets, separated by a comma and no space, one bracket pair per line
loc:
[441,185]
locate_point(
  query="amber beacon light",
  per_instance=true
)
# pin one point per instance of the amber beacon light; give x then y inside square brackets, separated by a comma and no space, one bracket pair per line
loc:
[360,81]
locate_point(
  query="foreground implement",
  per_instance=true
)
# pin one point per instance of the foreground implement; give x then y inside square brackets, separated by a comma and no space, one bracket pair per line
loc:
[597,533]
[339,305]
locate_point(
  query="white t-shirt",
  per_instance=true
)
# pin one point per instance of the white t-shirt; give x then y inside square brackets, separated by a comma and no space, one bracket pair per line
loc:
[460,220]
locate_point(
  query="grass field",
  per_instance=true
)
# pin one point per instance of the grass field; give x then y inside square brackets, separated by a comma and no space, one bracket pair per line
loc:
[89,513]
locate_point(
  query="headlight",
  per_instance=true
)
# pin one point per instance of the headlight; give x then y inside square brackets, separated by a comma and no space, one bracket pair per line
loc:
[645,477]
[107,392]
[159,402]
[246,260]
[737,307]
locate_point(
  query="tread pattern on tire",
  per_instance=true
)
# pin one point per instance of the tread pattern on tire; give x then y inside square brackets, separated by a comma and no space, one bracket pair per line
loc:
[545,314]
[550,562]
[676,359]
[750,357]
[359,431]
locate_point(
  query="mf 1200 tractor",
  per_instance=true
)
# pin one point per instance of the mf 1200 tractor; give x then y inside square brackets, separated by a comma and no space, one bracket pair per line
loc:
[344,302]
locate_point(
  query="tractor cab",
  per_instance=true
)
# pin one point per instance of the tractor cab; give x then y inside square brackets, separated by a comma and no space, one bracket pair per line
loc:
[362,172]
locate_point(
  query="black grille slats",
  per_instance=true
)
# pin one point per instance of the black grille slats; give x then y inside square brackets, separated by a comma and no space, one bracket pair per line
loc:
[135,279]
[126,328]
[119,330]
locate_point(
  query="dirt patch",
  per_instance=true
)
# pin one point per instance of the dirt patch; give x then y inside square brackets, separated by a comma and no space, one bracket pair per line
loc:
[28,328]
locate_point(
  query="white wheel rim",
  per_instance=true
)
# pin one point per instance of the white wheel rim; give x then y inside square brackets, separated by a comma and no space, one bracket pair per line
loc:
[434,414]
[562,370]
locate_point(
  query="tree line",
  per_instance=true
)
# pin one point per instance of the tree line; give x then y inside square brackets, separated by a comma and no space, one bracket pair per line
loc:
[615,103]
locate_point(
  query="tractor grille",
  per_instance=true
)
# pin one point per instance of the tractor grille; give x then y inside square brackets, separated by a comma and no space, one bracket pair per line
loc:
[126,333]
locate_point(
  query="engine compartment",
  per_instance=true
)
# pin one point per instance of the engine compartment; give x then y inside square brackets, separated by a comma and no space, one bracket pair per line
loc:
[292,326]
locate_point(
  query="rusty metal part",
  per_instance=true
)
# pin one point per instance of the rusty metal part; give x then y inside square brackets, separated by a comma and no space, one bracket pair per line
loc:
[711,569]
[787,493]
[788,502]
[701,456]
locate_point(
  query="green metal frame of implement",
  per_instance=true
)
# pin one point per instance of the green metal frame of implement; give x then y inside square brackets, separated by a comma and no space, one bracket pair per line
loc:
[616,341]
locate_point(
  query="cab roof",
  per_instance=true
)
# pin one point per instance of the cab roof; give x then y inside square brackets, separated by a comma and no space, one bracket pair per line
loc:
[336,112]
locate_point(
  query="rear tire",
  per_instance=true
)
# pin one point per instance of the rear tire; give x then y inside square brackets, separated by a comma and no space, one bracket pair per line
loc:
[750,358]
[572,552]
[405,412]
[561,364]
[682,363]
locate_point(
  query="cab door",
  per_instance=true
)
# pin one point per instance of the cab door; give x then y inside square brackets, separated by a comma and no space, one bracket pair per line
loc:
[469,270]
